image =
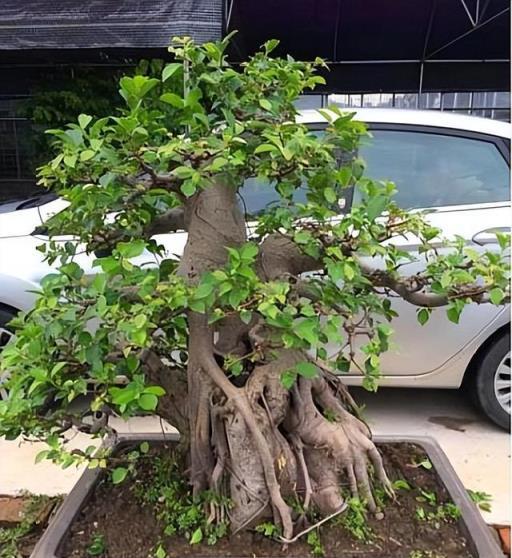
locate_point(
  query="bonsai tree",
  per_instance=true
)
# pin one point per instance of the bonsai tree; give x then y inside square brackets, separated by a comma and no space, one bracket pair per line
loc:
[242,340]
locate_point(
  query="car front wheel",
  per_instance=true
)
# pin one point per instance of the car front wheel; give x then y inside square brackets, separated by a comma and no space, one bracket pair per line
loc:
[492,382]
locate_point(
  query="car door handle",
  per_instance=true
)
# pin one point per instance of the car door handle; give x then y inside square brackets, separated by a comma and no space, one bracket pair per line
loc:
[488,236]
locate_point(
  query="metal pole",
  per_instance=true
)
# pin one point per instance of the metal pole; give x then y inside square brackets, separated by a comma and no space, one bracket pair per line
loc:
[472,30]
[420,88]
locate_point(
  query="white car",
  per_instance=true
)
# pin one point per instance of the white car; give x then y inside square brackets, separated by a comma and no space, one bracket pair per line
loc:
[457,166]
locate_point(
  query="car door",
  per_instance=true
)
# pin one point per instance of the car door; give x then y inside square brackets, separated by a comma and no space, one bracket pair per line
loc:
[463,179]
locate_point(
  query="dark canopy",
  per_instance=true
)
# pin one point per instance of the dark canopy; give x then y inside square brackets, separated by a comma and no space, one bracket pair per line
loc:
[371,45]
[395,44]
[71,24]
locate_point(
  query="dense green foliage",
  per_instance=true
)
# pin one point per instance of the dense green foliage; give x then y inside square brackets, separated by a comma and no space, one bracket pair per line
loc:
[198,122]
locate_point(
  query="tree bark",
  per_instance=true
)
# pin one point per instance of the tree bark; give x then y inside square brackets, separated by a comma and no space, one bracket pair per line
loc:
[258,442]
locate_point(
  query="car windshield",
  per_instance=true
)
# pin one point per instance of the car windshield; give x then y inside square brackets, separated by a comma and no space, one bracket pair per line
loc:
[17,204]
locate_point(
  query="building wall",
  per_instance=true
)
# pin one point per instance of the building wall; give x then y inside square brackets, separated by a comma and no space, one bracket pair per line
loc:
[486,104]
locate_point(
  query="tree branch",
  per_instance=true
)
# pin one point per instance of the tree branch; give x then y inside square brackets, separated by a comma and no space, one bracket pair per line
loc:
[280,256]
[170,221]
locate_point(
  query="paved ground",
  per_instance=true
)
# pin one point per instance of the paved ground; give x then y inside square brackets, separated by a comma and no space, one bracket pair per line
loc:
[479,452]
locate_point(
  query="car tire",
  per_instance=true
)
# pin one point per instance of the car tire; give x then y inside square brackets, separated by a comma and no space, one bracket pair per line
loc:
[5,334]
[490,383]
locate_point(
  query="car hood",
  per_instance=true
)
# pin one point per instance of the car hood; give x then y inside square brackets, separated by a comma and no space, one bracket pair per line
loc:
[22,222]
[19,223]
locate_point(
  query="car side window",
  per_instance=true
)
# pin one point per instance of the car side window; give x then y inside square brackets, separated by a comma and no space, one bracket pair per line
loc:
[258,195]
[435,170]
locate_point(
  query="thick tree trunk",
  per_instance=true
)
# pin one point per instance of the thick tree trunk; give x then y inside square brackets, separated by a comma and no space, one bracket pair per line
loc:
[257,442]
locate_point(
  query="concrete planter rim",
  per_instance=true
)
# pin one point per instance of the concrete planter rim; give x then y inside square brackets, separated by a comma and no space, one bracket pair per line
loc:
[476,531]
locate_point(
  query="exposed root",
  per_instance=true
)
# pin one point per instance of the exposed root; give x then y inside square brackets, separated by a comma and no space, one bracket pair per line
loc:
[243,425]
[314,526]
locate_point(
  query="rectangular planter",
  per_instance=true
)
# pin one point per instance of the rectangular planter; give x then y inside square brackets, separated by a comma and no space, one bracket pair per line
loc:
[478,534]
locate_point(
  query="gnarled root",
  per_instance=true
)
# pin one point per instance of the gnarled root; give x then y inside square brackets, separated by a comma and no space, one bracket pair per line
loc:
[269,443]
[338,446]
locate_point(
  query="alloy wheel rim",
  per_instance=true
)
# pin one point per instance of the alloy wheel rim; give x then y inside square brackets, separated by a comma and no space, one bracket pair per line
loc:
[502,383]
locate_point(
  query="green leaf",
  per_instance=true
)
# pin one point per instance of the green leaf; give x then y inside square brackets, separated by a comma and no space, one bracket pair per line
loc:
[503,240]
[148,401]
[188,188]
[246,316]
[131,249]
[197,536]
[84,120]
[99,283]
[204,290]
[140,321]
[401,484]
[41,455]
[307,369]
[218,163]
[155,390]
[307,329]
[376,206]
[173,100]
[124,395]
[330,195]
[70,160]
[423,315]
[119,474]
[170,70]
[265,147]
[335,270]
[57,368]
[348,271]
[288,378]
[302,237]
[265,104]
[87,154]
[453,314]
[270,45]
[160,552]
[144,447]
[496,295]
[248,251]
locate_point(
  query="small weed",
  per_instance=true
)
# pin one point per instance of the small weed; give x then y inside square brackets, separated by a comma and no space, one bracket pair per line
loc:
[169,495]
[426,464]
[354,520]
[10,539]
[268,529]
[428,497]
[329,415]
[447,513]
[315,544]
[425,554]
[421,514]
[401,484]
[97,546]
[160,552]
[481,499]
[381,497]
[295,504]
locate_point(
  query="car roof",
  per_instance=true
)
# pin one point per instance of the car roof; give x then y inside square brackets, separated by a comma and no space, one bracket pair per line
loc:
[440,119]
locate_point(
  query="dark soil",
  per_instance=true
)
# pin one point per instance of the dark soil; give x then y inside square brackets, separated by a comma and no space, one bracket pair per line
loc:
[132,531]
